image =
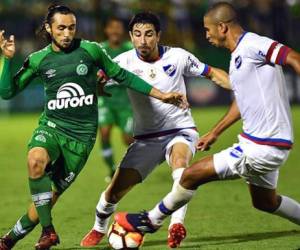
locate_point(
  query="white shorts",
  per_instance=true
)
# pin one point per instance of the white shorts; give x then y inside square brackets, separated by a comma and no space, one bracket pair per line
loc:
[145,155]
[257,164]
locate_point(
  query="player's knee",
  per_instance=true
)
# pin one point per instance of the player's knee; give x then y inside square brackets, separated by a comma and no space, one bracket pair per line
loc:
[265,206]
[179,162]
[36,164]
[188,178]
[199,173]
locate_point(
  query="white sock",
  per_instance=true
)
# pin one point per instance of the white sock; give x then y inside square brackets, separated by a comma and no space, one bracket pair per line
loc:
[178,197]
[179,214]
[106,208]
[289,209]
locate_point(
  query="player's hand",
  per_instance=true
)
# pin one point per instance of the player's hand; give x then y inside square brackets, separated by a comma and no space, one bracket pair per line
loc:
[176,99]
[206,141]
[102,79]
[7,46]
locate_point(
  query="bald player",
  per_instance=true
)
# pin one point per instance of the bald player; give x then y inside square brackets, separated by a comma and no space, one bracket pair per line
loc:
[261,102]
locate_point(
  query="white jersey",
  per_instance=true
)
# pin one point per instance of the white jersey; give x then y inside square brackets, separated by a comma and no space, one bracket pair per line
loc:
[260,90]
[152,117]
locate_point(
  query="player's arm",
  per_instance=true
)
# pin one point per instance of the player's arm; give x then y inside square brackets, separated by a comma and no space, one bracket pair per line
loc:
[134,82]
[293,60]
[193,67]
[229,118]
[9,85]
[130,80]
[270,51]
[219,77]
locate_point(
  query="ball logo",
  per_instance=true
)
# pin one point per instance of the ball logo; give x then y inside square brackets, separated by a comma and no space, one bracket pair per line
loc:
[82,69]
[70,95]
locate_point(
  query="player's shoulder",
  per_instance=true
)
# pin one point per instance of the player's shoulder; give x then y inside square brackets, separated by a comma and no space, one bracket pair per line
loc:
[175,51]
[90,44]
[255,40]
[36,57]
[127,55]
[94,49]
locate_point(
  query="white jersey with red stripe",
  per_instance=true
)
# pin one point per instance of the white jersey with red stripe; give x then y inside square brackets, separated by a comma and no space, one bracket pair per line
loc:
[260,90]
[152,117]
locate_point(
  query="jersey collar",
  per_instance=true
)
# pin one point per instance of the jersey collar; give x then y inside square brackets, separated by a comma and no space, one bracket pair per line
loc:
[239,40]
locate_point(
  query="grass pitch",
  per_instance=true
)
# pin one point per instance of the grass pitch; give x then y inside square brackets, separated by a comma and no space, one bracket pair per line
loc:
[219,217]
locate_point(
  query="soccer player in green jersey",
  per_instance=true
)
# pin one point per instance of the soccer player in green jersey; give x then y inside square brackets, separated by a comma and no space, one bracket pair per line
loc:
[111,114]
[61,144]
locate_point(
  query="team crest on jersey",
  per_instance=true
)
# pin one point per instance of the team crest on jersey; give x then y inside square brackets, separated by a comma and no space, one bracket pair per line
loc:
[170,69]
[152,73]
[238,62]
[70,95]
[82,69]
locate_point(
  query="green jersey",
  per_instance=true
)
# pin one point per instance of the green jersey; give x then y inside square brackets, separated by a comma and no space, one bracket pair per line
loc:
[119,95]
[69,79]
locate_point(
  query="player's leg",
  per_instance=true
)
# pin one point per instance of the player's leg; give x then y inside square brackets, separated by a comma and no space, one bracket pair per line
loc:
[41,191]
[67,159]
[197,174]
[179,158]
[43,150]
[105,122]
[123,181]
[179,152]
[210,168]
[267,200]
[40,184]
[124,121]
[23,226]
[106,149]
[135,166]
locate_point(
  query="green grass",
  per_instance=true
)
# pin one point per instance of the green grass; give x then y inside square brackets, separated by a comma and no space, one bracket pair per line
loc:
[219,217]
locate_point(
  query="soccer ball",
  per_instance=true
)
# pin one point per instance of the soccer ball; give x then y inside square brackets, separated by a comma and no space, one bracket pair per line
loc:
[120,239]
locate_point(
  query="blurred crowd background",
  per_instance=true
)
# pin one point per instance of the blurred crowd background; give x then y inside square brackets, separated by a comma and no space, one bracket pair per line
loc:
[182,26]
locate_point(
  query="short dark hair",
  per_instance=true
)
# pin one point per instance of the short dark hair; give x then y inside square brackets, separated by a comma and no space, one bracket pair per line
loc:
[223,12]
[52,10]
[145,17]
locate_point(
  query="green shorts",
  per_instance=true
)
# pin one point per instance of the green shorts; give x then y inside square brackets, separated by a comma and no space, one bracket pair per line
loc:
[115,115]
[68,156]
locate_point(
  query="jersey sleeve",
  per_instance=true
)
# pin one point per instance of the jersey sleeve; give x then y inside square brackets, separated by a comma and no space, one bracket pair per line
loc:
[114,71]
[121,60]
[269,51]
[12,85]
[193,67]
[101,59]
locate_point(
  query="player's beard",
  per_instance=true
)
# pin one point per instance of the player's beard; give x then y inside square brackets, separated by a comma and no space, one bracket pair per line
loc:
[59,45]
[148,53]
